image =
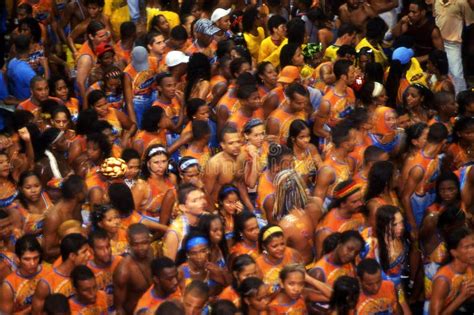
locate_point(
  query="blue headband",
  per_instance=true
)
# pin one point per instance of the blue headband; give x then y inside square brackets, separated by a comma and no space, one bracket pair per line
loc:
[252,123]
[195,241]
[229,189]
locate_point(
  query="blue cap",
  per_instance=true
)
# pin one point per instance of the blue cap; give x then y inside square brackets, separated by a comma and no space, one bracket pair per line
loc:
[403,55]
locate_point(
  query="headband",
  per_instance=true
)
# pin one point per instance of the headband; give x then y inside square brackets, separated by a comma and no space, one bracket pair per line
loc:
[378,87]
[188,163]
[195,241]
[252,123]
[229,189]
[113,74]
[60,134]
[271,231]
[157,150]
[346,191]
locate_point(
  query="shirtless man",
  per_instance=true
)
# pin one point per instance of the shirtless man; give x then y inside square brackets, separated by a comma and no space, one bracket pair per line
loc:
[74,13]
[74,252]
[74,193]
[358,12]
[133,275]
[220,169]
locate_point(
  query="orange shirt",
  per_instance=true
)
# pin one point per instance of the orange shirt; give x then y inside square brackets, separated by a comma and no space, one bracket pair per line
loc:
[430,169]
[271,271]
[41,10]
[230,294]
[119,244]
[384,301]
[202,157]
[171,109]
[341,105]
[149,302]
[265,189]
[58,283]
[135,217]
[284,120]
[331,272]
[454,280]
[241,248]
[238,118]
[32,107]
[143,82]
[72,105]
[229,99]
[122,54]
[98,308]
[297,307]
[341,172]
[104,277]
[335,223]
[86,50]
[94,180]
[146,139]
[23,288]
[151,205]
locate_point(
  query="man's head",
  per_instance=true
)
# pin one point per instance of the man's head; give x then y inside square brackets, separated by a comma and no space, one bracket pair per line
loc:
[195,297]
[348,197]
[370,276]
[437,135]
[74,187]
[22,44]
[343,136]
[56,304]
[97,32]
[280,158]
[191,199]
[204,31]
[376,29]
[353,4]
[374,154]
[344,70]
[221,18]
[99,241]
[346,34]
[277,25]
[166,85]
[29,253]
[85,284]
[417,11]
[298,96]
[165,275]
[178,37]
[128,31]
[74,249]
[230,140]
[139,239]
[155,43]
[39,88]
[201,131]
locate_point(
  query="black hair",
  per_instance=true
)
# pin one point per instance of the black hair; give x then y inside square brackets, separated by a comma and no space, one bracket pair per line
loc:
[342,238]
[179,33]
[451,217]
[121,198]
[34,27]
[240,219]
[246,78]
[440,99]
[287,53]
[295,88]
[340,133]
[184,190]
[295,31]
[35,80]
[345,294]
[101,140]
[379,178]
[358,117]
[61,109]
[94,96]
[249,18]
[275,154]
[151,118]
[127,30]
[97,234]
[130,154]
[204,226]
[56,303]
[81,273]
[421,4]
[226,130]
[4,214]
[236,64]
[224,48]
[99,3]
[150,36]
[464,99]
[376,28]
[48,106]
[192,106]
[225,191]
[453,239]
[169,307]
[384,222]
[224,307]
[85,120]
[199,68]
[28,243]
[296,127]
[182,255]
[136,229]
[100,125]
[341,67]
[248,288]
[346,28]
[261,70]
[197,287]
[160,264]
[372,154]
[330,243]
[243,52]
[368,265]
[72,186]
[274,22]
[444,177]
[346,50]
[437,133]
[98,214]
[462,124]
[71,244]
[439,59]
[161,76]
[22,44]
[374,72]
[393,81]
[94,27]
[414,132]
[262,243]
[145,171]
[25,6]
[245,91]
[21,181]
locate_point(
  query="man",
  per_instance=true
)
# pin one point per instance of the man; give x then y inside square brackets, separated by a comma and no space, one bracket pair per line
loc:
[171,100]
[165,286]
[88,299]
[277,28]
[337,166]
[417,26]
[74,252]
[221,18]
[39,91]
[357,13]
[294,107]
[344,213]
[56,304]
[419,176]
[451,17]
[275,97]
[177,63]
[346,35]
[156,49]
[133,275]
[377,295]
[249,107]
[74,193]
[123,48]
[204,31]
[374,35]
[220,169]
[178,39]
[192,203]
[19,72]
[195,297]
[372,154]
[339,101]
[103,263]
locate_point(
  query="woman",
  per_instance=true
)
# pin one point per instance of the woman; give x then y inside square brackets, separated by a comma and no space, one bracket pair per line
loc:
[31,204]
[384,133]
[246,232]
[266,76]
[198,77]
[438,69]
[252,27]
[153,130]
[58,87]
[346,292]
[122,124]
[61,119]
[149,193]
[274,254]
[307,158]
[106,217]
[382,182]
[242,268]
[84,124]
[416,136]
[291,55]
[254,296]
[160,23]
[461,151]
[452,284]
[112,87]
[229,206]
[417,101]
[8,191]
[372,95]
[364,56]
[30,27]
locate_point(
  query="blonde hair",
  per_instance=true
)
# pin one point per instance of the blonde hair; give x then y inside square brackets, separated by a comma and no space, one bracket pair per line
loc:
[290,193]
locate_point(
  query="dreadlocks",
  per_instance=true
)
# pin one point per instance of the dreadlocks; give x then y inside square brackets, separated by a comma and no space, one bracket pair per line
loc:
[290,193]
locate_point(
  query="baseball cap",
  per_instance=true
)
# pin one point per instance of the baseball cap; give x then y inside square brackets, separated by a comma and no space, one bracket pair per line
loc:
[206,27]
[102,48]
[403,55]
[289,74]
[219,13]
[176,57]
[140,58]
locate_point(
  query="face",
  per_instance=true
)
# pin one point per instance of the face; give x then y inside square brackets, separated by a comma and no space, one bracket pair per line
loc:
[451,108]
[382,98]
[298,58]
[199,255]
[351,75]
[302,140]
[276,247]
[348,251]
[403,121]
[93,10]
[133,168]
[371,284]
[158,164]
[191,175]
[93,151]
[448,191]
[158,45]
[61,90]
[298,102]
[111,221]
[363,60]
[413,98]
[196,202]
[247,272]
[256,136]
[21,14]
[354,202]
[397,225]
[270,75]
[163,25]
[421,141]
[391,119]
[204,40]
[82,256]
[260,301]
[102,250]
[4,166]
[168,280]
[29,262]
[25,30]
[140,245]
[107,58]
[87,290]
[216,232]
[113,84]
[466,134]
[251,230]
[353,4]
[415,15]
[102,36]
[31,188]
[60,121]
[224,23]
[40,91]
[350,143]
[465,250]
[167,87]
[231,144]
[187,24]
[193,305]
[294,284]
[254,102]
[230,203]
[281,31]
[101,107]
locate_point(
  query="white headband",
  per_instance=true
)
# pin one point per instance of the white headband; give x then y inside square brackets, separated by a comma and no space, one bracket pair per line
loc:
[378,87]
[156,150]
[188,163]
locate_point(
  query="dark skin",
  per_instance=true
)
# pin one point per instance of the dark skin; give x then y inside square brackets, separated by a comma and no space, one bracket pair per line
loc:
[133,274]
[5,234]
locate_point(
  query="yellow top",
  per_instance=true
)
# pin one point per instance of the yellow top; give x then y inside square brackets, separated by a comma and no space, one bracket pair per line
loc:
[331,53]
[270,52]
[379,55]
[253,42]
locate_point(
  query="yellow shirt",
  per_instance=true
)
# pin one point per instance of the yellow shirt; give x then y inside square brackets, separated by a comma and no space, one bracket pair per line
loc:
[331,53]
[267,46]
[253,42]
[378,52]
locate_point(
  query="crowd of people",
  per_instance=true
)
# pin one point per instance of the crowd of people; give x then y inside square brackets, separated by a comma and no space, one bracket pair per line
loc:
[236,157]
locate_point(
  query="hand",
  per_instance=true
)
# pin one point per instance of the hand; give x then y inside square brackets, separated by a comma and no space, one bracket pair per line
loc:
[43,61]
[253,151]
[24,134]
[5,142]
[405,20]
[180,97]
[467,289]
[213,269]
[239,207]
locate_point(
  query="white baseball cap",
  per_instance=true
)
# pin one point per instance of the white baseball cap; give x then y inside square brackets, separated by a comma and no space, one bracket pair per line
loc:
[176,57]
[219,13]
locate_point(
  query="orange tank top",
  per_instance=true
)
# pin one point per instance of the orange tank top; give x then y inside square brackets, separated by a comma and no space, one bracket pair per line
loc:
[271,271]
[331,272]
[146,139]
[296,307]
[341,171]
[171,109]
[58,283]
[86,50]
[241,248]
[104,277]
[229,99]
[238,119]
[230,294]
[430,168]
[335,223]
[150,301]
[284,120]
[454,280]
[152,204]
[341,105]
[265,189]
[122,54]
[383,302]
[98,308]
[202,157]
[142,82]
